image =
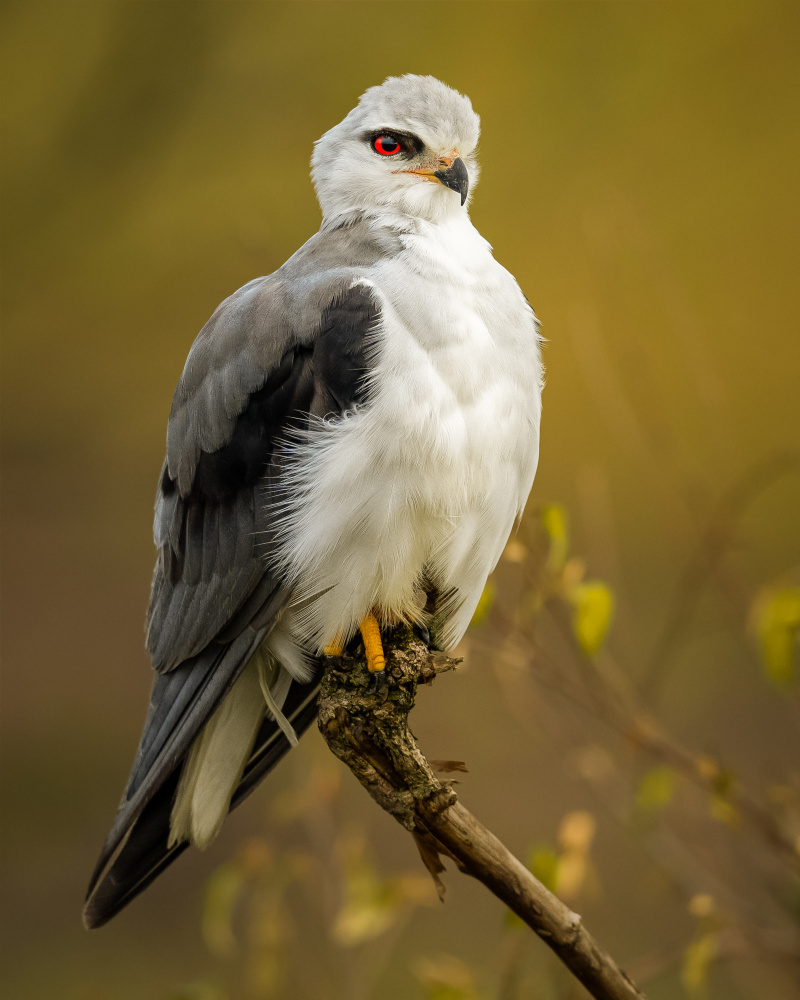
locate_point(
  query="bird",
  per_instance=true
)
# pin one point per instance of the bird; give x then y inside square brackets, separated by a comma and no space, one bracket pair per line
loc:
[350,445]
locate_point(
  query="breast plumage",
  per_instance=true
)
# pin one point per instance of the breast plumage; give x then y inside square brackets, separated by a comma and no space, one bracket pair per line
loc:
[419,488]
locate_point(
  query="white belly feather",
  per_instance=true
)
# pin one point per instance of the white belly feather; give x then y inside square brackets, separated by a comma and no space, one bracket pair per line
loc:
[431,475]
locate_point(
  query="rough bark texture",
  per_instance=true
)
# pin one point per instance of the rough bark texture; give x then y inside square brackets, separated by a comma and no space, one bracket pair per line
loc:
[368,730]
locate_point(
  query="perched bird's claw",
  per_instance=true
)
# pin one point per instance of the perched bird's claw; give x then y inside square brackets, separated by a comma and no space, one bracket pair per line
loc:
[423,633]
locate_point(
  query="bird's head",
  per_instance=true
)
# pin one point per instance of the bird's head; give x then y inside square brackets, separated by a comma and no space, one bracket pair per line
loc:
[407,148]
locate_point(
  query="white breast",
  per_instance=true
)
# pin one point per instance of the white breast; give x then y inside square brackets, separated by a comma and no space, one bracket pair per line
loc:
[430,477]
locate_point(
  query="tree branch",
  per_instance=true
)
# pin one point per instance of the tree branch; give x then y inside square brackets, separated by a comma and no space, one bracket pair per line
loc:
[368,731]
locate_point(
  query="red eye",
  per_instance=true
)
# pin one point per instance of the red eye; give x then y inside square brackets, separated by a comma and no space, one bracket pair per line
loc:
[386,145]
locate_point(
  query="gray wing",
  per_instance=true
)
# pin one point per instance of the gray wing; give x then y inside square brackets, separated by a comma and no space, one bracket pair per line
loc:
[275,352]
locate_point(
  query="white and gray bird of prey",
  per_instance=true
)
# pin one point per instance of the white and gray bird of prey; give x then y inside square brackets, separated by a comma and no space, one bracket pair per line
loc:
[350,444]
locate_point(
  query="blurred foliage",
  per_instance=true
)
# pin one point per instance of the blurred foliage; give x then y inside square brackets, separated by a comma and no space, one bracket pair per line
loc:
[703,948]
[554,522]
[372,904]
[446,978]
[567,869]
[481,612]
[250,909]
[776,615]
[656,788]
[637,657]
[594,606]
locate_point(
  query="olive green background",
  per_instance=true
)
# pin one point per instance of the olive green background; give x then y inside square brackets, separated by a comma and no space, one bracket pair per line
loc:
[639,178]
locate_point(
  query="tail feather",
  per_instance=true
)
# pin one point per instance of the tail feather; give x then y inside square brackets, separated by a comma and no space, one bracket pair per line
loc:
[215,764]
[145,851]
[217,759]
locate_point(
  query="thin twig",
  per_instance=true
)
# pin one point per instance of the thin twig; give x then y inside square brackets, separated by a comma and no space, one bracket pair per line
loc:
[613,700]
[368,731]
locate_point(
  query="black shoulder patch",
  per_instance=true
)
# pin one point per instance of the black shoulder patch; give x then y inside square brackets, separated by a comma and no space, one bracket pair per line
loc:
[344,348]
[286,395]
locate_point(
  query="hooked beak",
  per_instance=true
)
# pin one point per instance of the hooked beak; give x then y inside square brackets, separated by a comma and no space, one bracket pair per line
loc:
[455,177]
[452,174]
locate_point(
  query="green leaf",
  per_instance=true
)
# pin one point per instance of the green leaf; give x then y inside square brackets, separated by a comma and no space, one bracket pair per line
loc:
[543,863]
[656,789]
[556,526]
[777,623]
[697,960]
[485,603]
[593,604]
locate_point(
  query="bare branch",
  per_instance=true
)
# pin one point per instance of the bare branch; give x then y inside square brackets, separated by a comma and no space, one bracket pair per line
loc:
[368,731]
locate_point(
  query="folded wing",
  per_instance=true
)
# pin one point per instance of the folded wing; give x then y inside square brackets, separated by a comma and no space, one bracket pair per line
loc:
[253,374]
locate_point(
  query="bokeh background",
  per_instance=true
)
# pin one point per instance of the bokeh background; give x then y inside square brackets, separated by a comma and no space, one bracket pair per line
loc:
[640,165]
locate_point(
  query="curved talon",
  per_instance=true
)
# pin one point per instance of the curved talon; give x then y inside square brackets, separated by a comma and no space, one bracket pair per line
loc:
[423,633]
[373,647]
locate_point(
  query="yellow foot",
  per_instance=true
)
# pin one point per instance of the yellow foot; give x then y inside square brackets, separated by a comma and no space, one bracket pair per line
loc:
[373,647]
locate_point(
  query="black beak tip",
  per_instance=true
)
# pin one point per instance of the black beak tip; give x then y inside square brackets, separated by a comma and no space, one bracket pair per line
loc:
[456,178]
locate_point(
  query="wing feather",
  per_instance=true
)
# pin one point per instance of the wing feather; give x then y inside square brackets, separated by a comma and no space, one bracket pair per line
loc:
[249,377]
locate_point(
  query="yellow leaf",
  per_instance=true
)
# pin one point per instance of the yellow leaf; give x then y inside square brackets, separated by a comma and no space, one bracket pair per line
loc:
[576,831]
[445,978]
[777,620]
[364,919]
[575,835]
[593,604]
[696,962]
[724,811]
[373,904]
[573,870]
[485,603]
[656,789]
[556,526]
